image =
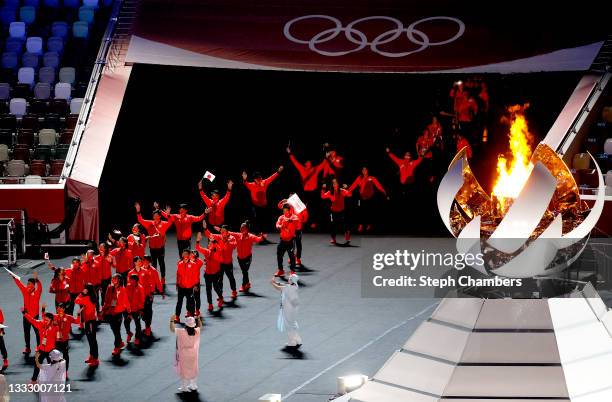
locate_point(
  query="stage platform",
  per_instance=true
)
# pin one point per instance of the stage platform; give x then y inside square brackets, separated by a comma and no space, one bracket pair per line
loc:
[240,354]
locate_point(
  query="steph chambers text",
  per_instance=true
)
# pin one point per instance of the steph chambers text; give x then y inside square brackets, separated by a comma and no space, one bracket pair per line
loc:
[426,281]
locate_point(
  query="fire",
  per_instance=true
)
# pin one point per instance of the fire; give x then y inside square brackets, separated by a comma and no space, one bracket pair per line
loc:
[513,173]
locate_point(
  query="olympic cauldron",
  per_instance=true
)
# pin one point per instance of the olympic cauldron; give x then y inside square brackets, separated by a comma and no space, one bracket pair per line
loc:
[542,232]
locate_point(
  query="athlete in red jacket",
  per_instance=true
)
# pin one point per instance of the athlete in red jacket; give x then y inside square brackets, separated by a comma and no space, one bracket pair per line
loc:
[31,304]
[187,283]
[226,244]
[310,185]
[48,333]
[406,166]
[89,316]
[216,204]
[136,297]
[137,241]
[182,222]
[154,285]
[104,265]
[212,272]
[333,163]
[244,248]
[3,352]
[60,287]
[258,189]
[287,225]
[338,221]
[116,308]
[156,230]
[76,276]
[303,218]
[367,189]
[64,323]
[123,259]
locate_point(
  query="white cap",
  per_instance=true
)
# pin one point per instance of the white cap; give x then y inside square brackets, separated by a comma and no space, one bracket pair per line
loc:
[190,322]
[56,355]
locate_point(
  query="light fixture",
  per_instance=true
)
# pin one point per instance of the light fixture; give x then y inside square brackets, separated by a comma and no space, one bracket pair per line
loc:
[270,398]
[350,383]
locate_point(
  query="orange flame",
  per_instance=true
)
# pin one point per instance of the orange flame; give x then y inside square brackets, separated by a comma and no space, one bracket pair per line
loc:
[513,173]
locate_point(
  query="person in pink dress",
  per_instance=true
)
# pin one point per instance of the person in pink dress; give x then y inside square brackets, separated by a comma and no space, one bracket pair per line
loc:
[187,351]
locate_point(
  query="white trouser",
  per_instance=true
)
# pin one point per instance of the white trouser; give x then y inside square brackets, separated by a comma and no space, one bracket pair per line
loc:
[294,338]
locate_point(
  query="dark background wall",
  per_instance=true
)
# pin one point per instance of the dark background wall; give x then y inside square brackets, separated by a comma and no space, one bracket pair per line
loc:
[178,122]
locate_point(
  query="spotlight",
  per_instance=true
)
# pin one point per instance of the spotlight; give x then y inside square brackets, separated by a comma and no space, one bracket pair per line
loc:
[270,398]
[350,383]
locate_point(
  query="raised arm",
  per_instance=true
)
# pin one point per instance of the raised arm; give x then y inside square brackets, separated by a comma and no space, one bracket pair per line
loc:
[272,177]
[394,158]
[355,184]
[296,163]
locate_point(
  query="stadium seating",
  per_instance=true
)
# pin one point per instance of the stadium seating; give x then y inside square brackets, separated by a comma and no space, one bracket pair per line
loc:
[47,54]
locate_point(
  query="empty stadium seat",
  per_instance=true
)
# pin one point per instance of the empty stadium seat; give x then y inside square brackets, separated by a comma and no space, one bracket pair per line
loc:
[91,3]
[34,45]
[38,168]
[43,152]
[51,59]
[5,91]
[30,122]
[52,3]
[31,179]
[63,91]
[66,136]
[47,75]
[21,153]
[8,15]
[18,107]
[6,137]
[26,75]
[75,105]
[87,14]
[22,90]
[14,45]
[55,44]
[10,60]
[56,167]
[26,137]
[52,120]
[15,168]
[27,14]
[42,90]
[61,151]
[32,3]
[80,29]
[38,106]
[17,30]
[47,136]
[72,3]
[4,154]
[67,75]
[59,29]
[30,60]
[8,122]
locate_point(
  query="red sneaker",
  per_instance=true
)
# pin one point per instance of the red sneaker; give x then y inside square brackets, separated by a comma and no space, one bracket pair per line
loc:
[89,359]
[234,294]
[248,286]
[5,364]
[129,337]
[93,363]
[243,288]
[197,314]
[136,342]
[122,346]
[220,302]
[147,331]
[210,307]
[116,352]
[280,273]
[26,351]
[298,261]
[292,273]
[333,242]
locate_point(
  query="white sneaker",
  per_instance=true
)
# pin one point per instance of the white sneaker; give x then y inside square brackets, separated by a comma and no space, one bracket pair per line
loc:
[183,389]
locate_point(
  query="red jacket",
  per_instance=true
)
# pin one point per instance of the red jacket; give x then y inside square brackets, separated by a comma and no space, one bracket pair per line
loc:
[226,247]
[183,225]
[211,255]
[217,213]
[153,281]
[76,279]
[287,226]
[116,301]
[144,278]
[244,243]
[88,308]
[48,334]
[63,324]
[337,199]
[188,273]
[1,317]
[124,259]
[61,290]
[258,191]
[310,176]
[303,216]
[333,165]
[463,143]
[406,168]
[135,296]
[103,267]
[137,247]
[31,299]
[154,229]
[366,186]
[92,273]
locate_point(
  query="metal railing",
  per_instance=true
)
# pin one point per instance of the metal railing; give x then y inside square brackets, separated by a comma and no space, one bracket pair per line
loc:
[8,250]
[100,63]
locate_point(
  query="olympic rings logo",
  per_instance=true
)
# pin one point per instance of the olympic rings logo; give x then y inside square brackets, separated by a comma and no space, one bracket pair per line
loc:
[360,40]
